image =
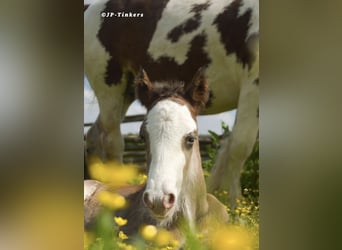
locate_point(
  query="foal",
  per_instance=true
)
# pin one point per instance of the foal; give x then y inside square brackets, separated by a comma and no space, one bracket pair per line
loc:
[175,189]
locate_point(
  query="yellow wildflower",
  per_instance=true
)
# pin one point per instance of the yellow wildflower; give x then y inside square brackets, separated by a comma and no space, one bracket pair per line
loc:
[112,173]
[233,238]
[120,221]
[111,200]
[167,248]
[149,232]
[139,180]
[200,236]
[88,239]
[123,236]
[125,246]
[142,178]
[175,243]
[163,237]
[129,247]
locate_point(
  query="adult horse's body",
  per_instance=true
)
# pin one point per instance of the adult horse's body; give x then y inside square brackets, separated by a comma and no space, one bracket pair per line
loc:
[175,191]
[171,39]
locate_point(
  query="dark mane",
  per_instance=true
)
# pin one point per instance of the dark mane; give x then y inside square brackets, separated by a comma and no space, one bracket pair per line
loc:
[149,93]
[195,93]
[167,89]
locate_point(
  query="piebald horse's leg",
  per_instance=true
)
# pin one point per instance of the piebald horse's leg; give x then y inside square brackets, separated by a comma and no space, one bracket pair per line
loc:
[104,139]
[236,149]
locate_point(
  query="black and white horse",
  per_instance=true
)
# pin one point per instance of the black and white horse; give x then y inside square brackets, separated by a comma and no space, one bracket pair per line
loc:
[171,39]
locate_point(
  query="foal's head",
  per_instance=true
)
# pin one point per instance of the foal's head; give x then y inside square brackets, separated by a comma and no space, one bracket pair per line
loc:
[170,132]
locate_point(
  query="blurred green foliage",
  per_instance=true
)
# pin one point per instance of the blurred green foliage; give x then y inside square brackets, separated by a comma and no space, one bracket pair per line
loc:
[250,174]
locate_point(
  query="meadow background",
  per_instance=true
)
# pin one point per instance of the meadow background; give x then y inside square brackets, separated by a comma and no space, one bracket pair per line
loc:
[41,133]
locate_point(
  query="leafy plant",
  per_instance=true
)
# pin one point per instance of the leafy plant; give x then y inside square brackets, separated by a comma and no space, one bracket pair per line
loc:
[213,148]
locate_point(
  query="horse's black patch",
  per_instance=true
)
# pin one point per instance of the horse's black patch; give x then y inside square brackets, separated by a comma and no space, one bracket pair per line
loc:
[119,35]
[233,30]
[130,91]
[198,8]
[85,7]
[167,68]
[189,25]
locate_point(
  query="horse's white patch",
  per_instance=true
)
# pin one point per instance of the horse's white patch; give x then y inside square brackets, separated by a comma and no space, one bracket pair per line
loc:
[168,123]
[95,55]
[85,2]
[254,21]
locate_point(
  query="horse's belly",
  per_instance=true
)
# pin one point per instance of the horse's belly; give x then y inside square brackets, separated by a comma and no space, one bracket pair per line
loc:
[163,56]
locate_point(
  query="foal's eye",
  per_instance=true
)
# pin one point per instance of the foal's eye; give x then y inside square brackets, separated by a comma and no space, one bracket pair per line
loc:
[189,140]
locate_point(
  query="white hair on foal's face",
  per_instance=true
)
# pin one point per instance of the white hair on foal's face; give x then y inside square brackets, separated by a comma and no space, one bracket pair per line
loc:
[168,123]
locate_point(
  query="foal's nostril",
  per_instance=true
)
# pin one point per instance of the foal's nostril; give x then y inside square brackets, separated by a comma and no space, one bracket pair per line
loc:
[169,200]
[147,201]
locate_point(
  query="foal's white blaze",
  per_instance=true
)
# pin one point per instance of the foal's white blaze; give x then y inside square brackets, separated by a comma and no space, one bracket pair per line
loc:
[168,123]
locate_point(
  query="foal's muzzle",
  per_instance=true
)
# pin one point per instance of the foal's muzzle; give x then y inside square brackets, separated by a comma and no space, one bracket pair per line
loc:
[159,204]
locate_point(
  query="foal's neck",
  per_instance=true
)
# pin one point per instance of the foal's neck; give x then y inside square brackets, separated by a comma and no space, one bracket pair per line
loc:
[194,186]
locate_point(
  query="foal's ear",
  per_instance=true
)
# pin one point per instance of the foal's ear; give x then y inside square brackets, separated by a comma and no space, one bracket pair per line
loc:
[197,92]
[143,87]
